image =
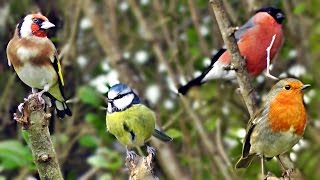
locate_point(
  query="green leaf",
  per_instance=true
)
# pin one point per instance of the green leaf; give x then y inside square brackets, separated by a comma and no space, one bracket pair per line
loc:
[14,155]
[89,141]
[90,96]
[210,124]
[25,136]
[105,158]
[299,9]
[174,133]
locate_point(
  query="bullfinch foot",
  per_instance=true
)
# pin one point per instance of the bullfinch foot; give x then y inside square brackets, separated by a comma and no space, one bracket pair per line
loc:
[230,67]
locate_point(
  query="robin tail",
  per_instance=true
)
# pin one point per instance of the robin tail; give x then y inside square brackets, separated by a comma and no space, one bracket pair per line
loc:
[162,136]
[245,162]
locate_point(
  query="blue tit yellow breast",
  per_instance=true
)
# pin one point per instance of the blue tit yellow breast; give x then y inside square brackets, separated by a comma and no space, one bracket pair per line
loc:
[133,126]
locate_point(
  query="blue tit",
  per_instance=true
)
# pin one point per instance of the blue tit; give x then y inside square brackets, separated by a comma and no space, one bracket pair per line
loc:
[131,122]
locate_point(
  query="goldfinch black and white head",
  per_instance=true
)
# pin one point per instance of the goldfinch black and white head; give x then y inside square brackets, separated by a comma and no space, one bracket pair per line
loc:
[120,97]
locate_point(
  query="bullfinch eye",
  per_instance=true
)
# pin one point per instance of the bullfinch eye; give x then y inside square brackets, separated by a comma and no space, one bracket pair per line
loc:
[287,87]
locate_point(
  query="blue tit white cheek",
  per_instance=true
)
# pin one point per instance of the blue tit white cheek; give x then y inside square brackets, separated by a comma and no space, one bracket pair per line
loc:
[109,107]
[124,102]
[112,94]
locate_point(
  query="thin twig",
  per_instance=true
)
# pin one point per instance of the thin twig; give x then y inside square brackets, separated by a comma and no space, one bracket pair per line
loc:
[268,58]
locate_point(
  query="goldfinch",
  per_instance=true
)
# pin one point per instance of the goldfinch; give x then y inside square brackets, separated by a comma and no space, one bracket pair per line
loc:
[35,60]
[131,122]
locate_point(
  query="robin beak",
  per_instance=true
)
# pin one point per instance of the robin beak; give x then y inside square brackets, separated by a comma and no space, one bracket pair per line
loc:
[305,86]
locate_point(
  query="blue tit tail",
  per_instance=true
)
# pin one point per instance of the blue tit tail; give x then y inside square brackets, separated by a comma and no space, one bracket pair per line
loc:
[162,136]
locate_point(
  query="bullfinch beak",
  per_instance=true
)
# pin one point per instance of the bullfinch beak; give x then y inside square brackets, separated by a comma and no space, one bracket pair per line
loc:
[47,25]
[305,86]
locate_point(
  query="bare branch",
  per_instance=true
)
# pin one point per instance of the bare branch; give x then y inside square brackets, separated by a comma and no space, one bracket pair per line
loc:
[36,121]
[237,61]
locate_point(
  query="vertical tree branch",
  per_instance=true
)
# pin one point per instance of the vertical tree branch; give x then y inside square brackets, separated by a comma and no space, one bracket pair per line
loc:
[36,121]
[237,61]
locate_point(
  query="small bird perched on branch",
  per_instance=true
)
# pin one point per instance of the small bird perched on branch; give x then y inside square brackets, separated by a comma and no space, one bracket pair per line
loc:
[262,30]
[278,125]
[131,122]
[35,60]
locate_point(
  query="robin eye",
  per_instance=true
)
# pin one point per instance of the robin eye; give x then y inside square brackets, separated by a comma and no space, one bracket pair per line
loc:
[287,87]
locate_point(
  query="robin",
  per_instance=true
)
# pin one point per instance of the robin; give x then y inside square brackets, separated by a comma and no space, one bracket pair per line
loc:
[278,125]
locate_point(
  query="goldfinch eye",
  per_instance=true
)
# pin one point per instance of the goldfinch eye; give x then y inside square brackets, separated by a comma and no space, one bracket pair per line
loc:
[287,87]
[35,20]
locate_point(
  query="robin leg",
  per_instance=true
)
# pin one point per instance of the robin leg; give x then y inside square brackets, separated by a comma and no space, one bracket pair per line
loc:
[262,168]
[286,172]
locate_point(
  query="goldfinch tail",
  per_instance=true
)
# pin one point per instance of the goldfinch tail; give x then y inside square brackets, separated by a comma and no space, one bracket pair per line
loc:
[162,136]
[62,109]
[61,106]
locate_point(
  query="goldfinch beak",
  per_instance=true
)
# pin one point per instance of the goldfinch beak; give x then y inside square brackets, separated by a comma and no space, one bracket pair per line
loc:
[47,25]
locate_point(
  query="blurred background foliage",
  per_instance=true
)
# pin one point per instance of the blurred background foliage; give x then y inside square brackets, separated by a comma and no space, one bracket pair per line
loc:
[155,45]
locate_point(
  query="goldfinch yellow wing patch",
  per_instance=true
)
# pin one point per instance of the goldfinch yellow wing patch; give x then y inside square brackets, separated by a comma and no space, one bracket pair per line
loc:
[60,73]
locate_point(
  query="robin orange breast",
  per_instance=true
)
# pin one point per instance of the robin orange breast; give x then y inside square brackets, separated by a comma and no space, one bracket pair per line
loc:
[278,125]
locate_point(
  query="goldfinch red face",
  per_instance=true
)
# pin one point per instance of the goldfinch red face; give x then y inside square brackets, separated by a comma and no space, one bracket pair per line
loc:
[34,25]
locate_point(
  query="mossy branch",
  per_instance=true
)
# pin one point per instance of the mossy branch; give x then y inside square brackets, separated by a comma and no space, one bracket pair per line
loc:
[141,168]
[35,121]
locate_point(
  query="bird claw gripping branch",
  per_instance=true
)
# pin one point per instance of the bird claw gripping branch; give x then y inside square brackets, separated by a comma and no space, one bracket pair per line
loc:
[32,103]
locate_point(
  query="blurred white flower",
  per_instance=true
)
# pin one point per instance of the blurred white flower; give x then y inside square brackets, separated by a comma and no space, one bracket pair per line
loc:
[225,110]
[206,61]
[153,93]
[168,104]
[144,2]
[124,6]
[82,61]
[204,31]
[161,67]
[241,133]
[85,23]
[293,156]
[297,70]
[261,79]
[141,56]
[105,65]
[126,55]
[292,53]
